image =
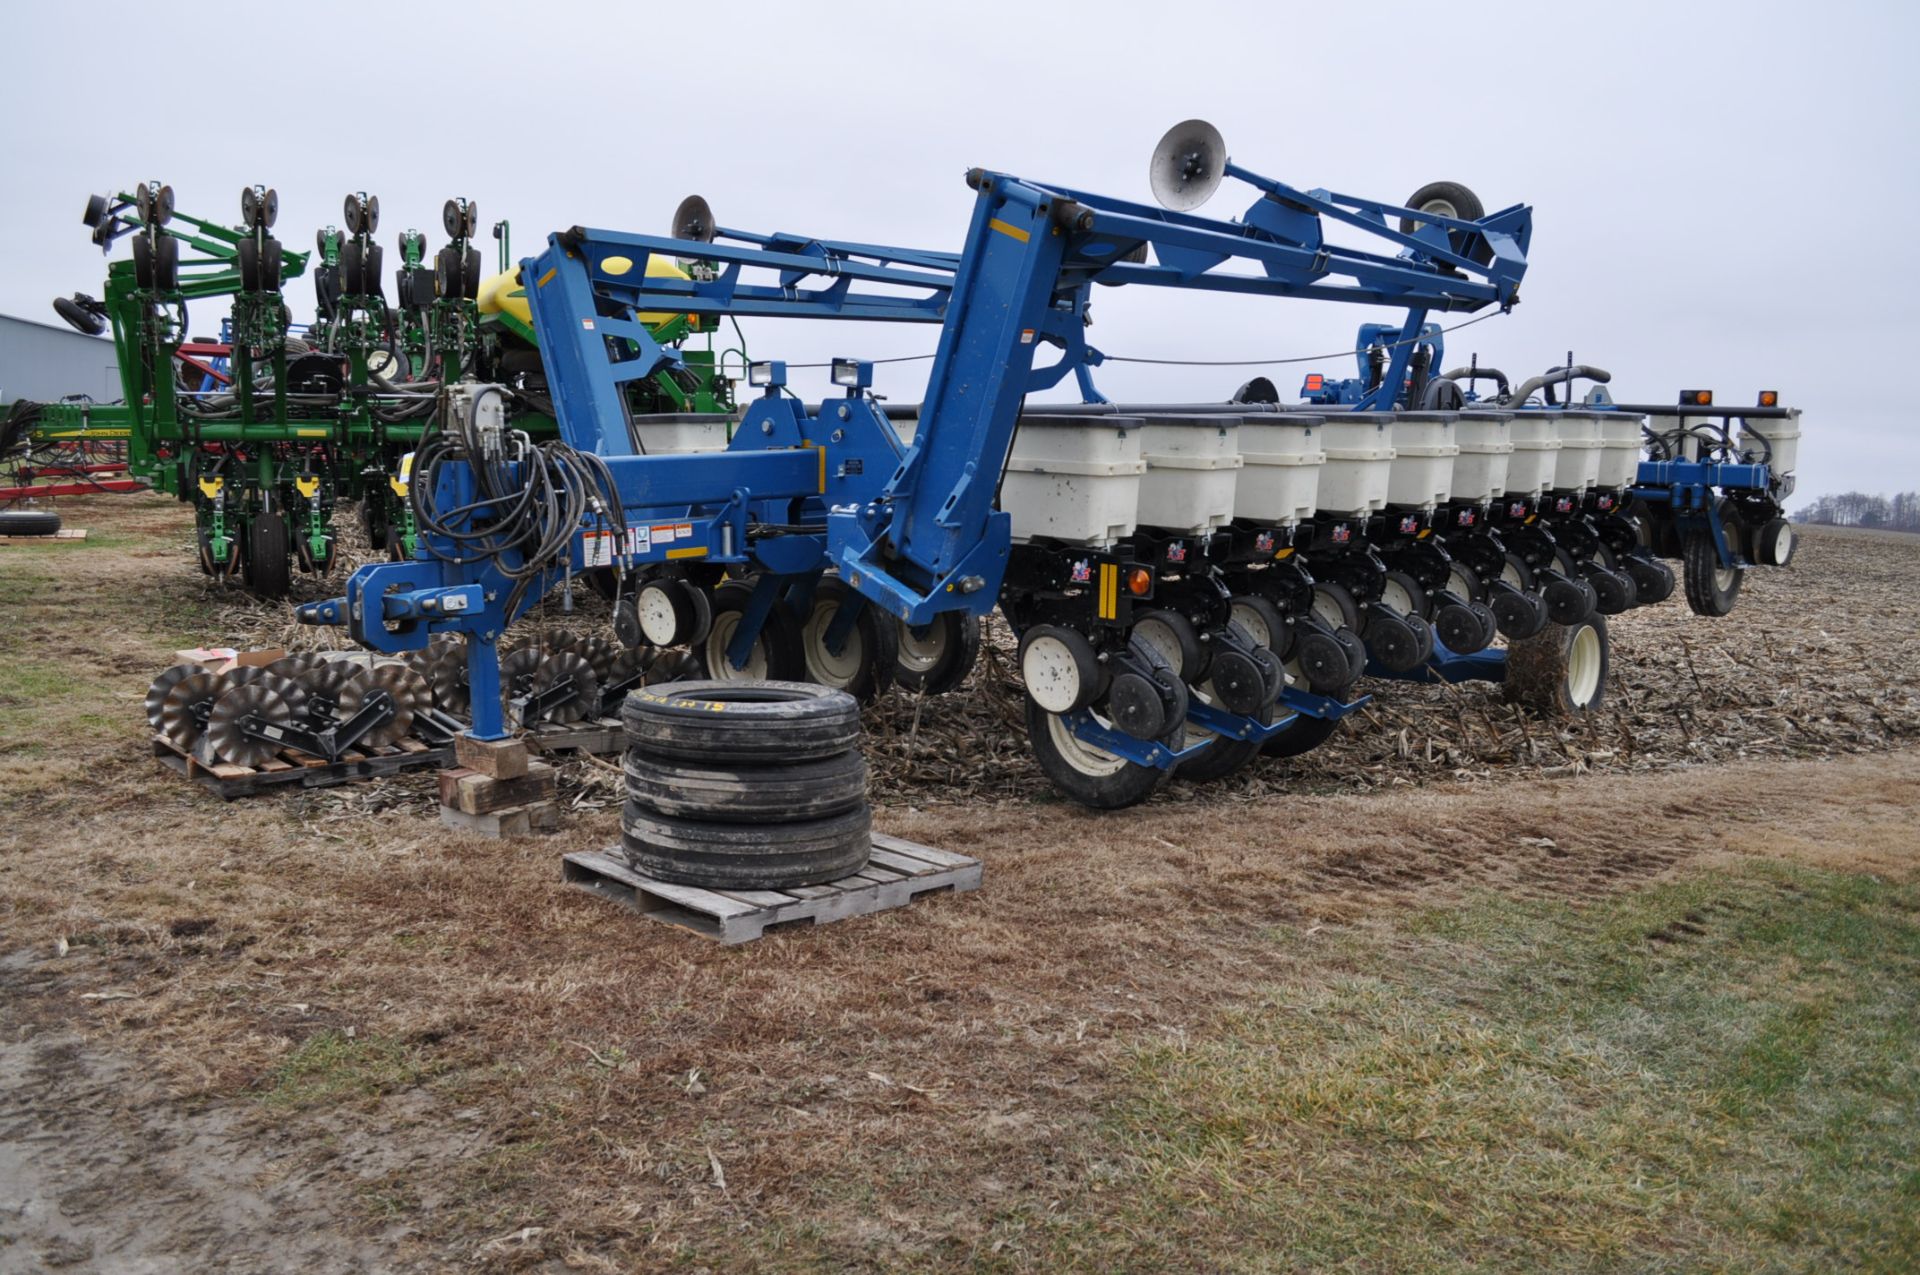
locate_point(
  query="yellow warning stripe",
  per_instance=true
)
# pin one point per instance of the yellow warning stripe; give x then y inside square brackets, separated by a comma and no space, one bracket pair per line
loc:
[1012,231]
[699,551]
[1109,590]
[823,469]
[548,276]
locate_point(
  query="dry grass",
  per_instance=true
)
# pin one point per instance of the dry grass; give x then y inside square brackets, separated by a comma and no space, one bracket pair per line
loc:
[970,1082]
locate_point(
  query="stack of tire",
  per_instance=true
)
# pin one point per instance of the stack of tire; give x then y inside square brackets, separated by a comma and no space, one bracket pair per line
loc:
[744,785]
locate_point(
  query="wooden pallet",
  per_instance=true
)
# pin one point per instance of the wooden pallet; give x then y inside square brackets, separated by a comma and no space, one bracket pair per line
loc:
[229,781]
[899,872]
[63,536]
[593,735]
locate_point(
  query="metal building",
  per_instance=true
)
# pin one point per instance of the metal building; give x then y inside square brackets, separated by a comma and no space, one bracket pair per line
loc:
[47,362]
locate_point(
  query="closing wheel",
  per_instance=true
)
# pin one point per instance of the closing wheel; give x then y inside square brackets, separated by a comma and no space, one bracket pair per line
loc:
[936,656]
[1393,640]
[269,570]
[1652,579]
[863,666]
[1569,599]
[1614,590]
[775,654]
[1321,662]
[1089,775]
[1562,671]
[1774,545]
[1711,588]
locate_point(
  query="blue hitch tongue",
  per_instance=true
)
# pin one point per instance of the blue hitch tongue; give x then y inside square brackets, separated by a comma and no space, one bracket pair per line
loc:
[332,611]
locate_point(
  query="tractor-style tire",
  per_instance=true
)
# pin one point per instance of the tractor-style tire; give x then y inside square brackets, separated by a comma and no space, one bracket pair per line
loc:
[29,522]
[864,668]
[754,855]
[740,723]
[1301,735]
[1463,204]
[1086,774]
[744,794]
[1711,588]
[776,654]
[269,571]
[937,656]
[1562,670]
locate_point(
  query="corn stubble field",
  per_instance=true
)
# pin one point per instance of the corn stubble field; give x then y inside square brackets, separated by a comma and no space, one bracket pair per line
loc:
[1462,990]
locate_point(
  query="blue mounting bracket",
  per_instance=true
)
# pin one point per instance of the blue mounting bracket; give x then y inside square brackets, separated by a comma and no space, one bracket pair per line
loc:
[1141,752]
[1445,665]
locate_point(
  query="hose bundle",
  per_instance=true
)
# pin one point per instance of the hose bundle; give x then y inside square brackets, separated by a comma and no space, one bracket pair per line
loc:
[530,500]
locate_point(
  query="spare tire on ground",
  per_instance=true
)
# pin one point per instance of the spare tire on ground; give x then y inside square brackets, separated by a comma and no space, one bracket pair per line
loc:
[738,794]
[745,856]
[744,785]
[28,522]
[735,723]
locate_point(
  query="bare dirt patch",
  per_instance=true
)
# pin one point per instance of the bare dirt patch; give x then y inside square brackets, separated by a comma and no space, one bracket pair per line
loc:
[553,1082]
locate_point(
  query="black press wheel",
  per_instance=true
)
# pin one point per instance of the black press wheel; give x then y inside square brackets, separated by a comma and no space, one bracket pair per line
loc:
[1562,670]
[754,855]
[269,572]
[937,656]
[740,723]
[1089,775]
[1711,588]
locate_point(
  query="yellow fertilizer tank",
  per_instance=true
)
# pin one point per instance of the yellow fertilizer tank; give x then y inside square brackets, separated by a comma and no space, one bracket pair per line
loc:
[503,294]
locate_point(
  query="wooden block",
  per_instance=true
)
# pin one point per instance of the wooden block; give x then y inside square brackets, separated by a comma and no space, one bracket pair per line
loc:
[514,821]
[475,794]
[500,758]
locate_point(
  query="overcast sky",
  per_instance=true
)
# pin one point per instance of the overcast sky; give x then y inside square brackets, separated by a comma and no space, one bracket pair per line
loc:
[1724,195]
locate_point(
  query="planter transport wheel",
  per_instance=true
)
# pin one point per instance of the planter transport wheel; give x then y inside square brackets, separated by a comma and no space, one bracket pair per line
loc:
[1711,588]
[1089,775]
[1563,670]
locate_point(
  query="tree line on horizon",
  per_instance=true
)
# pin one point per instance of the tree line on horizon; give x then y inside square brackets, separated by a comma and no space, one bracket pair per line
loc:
[1859,509]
